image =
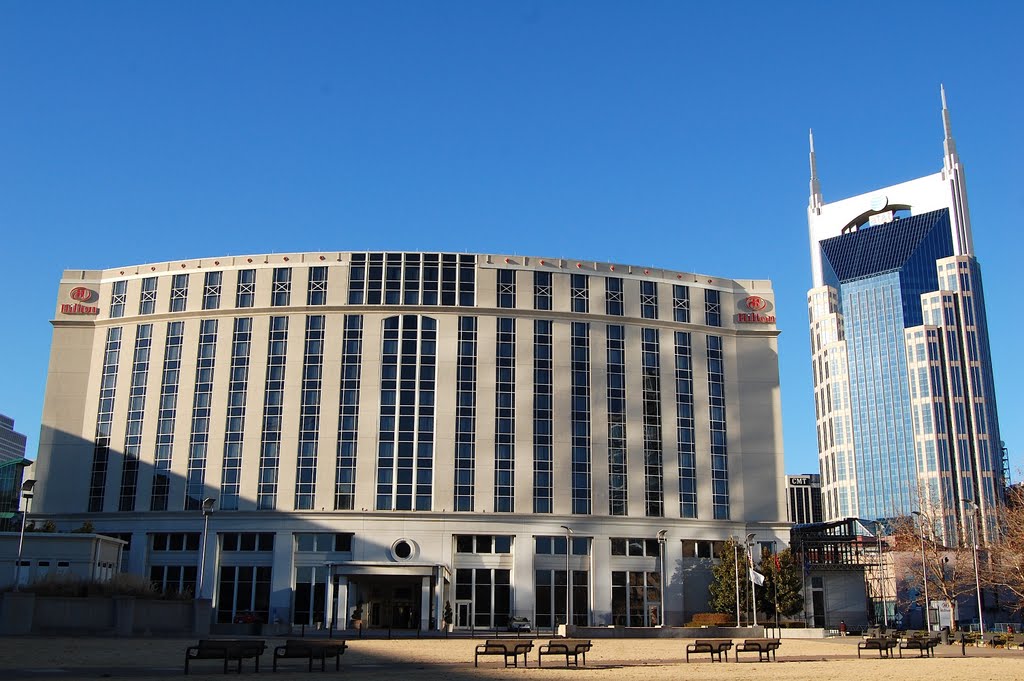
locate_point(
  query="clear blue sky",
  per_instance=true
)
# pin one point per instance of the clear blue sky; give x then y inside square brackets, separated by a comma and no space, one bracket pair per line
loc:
[667,134]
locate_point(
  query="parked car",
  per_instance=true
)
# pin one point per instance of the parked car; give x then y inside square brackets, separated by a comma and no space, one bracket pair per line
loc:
[519,624]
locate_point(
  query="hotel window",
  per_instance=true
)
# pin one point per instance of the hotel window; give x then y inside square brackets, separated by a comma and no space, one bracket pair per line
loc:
[393,279]
[281,292]
[244,589]
[635,546]
[261,542]
[717,426]
[309,413]
[465,415]
[550,588]
[179,292]
[653,474]
[613,304]
[506,288]
[411,282]
[405,455]
[580,293]
[649,300]
[490,592]
[195,474]
[310,594]
[580,417]
[234,428]
[273,408]
[617,464]
[118,294]
[712,308]
[246,291]
[176,541]
[467,280]
[348,413]
[104,417]
[685,427]
[542,290]
[173,579]
[505,415]
[147,302]
[543,421]
[483,543]
[322,542]
[681,303]
[211,290]
[636,598]
[412,279]
[136,412]
[166,416]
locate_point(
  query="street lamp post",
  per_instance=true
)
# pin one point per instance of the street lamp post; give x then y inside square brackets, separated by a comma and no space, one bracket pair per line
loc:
[26,494]
[753,585]
[973,508]
[924,576]
[207,512]
[736,574]
[881,574]
[568,578]
[661,552]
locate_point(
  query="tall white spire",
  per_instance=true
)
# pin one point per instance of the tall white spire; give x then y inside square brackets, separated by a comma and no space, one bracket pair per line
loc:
[816,201]
[953,173]
[948,144]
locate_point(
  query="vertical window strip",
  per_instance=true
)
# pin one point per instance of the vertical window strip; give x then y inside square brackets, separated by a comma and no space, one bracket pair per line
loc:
[649,299]
[147,301]
[245,292]
[348,413]
[467,280]
[685,427]
[412,279]
[653,474]
[542,290]
[309,413]
[393,272]
[136,411]
[506,288]
[166,417]
[618,497]
[211,290]
[717,425]
[712,308]
[465,415]
[613,302]
[281,291]
[505,415]
[580,293]
[104,416]
[405,456]
[316,291]
[179,292]
[580,417]
[118,295]
[681,303]
[234,428]
[195,476]
[273,407]
[357,279]
[543,421]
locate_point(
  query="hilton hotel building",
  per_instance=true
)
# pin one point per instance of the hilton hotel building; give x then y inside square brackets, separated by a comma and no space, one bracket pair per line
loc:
[297,437]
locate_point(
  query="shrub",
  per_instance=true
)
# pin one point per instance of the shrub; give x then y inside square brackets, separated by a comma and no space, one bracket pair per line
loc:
[712,619]
[118,585]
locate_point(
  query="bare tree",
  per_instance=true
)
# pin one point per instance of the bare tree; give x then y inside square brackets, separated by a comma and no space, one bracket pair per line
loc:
[1004,565]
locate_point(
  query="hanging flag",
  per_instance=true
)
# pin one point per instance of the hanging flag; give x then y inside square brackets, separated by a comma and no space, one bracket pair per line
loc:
[778,563]
[756,577]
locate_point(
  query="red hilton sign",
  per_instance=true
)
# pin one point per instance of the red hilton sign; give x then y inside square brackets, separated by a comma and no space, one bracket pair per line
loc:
[755,311]
[82,295]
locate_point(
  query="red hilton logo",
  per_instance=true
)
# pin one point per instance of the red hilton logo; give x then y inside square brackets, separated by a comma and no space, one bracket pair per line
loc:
[757,307]
[83,295]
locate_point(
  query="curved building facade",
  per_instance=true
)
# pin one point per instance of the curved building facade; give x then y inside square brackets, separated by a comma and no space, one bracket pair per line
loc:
[300,437]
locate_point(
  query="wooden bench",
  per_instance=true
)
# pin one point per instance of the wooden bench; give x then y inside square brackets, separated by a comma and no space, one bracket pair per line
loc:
[573,647]
[510,649]
[764,647]
[226,649]
[316,649]
[883,644]
[925,645]
[714,646]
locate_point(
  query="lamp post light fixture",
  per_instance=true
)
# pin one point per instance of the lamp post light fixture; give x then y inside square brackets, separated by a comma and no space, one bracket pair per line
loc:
[568,577]
[661,556]
[924,576]
[26,494]
[753,585]
[973,509]
[208,503]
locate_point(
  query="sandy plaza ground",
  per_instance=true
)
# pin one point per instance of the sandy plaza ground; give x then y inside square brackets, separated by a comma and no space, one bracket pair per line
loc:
[67,658]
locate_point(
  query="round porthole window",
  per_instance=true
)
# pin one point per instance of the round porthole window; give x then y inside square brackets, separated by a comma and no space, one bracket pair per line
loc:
[404,549]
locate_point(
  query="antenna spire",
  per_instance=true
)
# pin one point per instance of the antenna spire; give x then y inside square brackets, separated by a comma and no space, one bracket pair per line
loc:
[948,144]
[816,200]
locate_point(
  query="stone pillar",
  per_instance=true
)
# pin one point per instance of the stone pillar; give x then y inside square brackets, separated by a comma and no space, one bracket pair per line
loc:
[17,609]
[202,616]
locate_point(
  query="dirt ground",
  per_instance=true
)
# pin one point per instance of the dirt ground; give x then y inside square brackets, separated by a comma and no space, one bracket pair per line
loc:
[52,658]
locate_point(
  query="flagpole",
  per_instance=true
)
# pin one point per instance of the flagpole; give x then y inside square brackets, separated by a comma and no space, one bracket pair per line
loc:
[753,584]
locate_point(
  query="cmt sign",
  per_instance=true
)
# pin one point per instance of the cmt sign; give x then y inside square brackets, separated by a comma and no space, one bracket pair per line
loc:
[755,310]
[82,295]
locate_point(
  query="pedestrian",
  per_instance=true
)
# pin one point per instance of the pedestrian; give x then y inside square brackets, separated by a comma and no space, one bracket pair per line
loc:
[842,627]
